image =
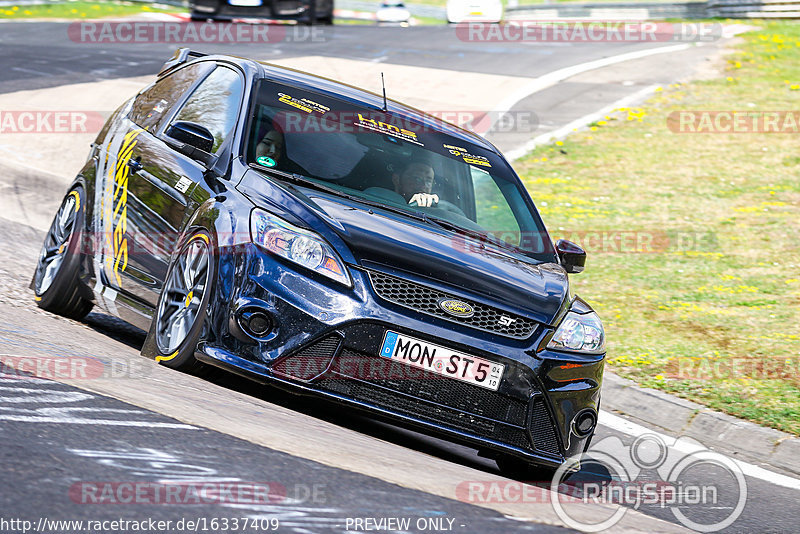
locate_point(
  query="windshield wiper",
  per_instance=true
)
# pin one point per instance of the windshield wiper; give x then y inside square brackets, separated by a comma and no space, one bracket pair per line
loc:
[482,237]
[302,180]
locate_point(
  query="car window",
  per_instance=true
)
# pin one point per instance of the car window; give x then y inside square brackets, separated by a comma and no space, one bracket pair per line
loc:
[154,103]
[215,104]
[493,211]
[404,162]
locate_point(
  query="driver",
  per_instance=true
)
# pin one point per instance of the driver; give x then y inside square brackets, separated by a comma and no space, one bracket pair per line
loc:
[271,145]
[415,183]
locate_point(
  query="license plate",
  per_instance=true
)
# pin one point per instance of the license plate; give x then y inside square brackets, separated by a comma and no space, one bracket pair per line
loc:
[245,3]
[442,361]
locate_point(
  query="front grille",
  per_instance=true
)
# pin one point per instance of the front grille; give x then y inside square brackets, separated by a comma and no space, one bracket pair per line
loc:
[426,300]
[309,361]
[420,409]
[428,386]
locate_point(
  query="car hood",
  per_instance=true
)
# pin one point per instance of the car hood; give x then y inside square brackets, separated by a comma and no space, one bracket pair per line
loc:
[391,242]
[400,245]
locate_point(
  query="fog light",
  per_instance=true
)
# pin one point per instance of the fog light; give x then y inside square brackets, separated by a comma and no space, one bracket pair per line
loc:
[255,323]
[584,423]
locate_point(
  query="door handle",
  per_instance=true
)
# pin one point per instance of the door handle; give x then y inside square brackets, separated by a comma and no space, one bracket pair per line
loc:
[136,164]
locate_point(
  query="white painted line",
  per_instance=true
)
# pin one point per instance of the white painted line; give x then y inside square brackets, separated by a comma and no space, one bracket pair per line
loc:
[80,421]
[619,424]
[552,78]
[567,129]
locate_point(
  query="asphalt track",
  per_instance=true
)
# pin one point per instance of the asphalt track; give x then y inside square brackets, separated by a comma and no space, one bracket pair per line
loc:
[138,422]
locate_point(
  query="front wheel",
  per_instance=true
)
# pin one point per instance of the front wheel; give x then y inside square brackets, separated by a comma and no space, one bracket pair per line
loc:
[180,320]
[56,279]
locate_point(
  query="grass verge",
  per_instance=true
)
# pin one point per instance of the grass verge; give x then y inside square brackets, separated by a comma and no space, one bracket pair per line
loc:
[81,10]
[697,276]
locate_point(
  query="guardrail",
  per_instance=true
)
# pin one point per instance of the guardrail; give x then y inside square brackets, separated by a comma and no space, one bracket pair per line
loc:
[754,9]
[609,11]
[733,9]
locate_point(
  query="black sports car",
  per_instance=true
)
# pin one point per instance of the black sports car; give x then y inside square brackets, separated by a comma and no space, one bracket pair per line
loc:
[306,11]
[308,234]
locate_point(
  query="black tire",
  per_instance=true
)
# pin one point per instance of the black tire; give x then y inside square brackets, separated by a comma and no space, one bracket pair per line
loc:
[519,469]
[311,15]
[327,20]
[199,17]
[56,281]
[175,346]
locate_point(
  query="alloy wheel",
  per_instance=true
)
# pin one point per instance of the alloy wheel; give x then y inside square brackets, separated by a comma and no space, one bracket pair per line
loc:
[55,244]
[182,295]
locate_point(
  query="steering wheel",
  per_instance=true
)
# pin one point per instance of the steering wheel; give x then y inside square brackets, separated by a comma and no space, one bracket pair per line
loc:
[449,206]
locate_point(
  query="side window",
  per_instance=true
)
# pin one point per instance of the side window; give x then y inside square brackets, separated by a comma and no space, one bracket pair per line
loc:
[215,104]
[154,103]
[492,209]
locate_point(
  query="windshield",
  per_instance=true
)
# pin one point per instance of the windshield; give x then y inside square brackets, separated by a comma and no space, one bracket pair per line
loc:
[409,167]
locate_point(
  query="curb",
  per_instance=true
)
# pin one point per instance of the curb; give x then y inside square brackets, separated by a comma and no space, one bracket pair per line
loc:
[722,432]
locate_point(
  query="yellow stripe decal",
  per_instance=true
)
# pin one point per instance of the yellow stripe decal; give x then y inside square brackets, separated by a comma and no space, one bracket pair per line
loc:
[166,358]
[77,199]
[204,237]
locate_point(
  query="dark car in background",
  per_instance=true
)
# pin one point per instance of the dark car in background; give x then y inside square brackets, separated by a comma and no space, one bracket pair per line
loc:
[305,11]
[311,235]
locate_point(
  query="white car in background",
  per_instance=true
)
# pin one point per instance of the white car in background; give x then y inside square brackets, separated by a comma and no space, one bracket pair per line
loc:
[393,11]
[474,10]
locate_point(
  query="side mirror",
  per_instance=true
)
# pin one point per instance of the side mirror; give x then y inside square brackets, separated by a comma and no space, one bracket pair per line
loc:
[191,139]
[571,256]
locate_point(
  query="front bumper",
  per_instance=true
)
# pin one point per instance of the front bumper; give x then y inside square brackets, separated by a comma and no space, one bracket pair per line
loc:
[270,9]
[325,340]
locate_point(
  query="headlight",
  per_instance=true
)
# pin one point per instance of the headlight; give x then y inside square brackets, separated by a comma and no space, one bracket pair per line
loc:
[579,333]
[297,245]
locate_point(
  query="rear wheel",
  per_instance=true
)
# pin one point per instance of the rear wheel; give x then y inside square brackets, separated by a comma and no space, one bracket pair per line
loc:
[56,279]
[180,319]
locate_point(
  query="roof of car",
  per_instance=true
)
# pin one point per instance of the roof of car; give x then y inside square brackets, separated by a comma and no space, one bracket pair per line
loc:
[362,97]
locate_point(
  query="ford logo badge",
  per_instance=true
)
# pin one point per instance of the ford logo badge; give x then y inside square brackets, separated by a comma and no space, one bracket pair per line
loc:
[456,307]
